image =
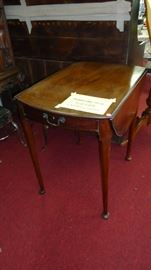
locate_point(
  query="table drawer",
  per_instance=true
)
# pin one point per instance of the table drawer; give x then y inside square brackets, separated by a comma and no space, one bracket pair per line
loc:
[60,120]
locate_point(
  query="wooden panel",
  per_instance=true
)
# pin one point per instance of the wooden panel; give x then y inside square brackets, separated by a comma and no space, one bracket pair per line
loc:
[53,66]
[76,29]
[52,45]
[20,38]
[24,66]
[73,49]
[68,41]
[17,29]
[6,54]
[36,69]
[43,2]
[11,2]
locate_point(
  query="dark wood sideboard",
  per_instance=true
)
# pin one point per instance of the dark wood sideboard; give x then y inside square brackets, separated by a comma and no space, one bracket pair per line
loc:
[52,45]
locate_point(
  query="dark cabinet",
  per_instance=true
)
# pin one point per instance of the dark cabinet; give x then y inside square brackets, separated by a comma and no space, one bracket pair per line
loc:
[6,54]
[8,71]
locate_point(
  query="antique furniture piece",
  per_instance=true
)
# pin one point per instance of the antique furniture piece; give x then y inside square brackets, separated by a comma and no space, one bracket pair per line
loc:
[6,120]
[8,75]
[8,71]
[6,54]
[7,78]
[52,42]
[121,82]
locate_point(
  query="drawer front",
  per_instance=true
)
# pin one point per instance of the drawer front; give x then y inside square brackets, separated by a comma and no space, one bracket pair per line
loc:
[58,120]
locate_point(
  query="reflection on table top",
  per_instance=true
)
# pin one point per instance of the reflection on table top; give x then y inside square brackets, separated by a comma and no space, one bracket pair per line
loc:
[87,78]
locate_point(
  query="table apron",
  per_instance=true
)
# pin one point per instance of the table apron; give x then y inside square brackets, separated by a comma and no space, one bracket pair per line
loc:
[60,120]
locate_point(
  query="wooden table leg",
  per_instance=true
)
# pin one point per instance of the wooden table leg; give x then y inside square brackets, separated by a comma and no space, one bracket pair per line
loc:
[32,148]
[147,112]
[130,138]
[105,135]
[145,118]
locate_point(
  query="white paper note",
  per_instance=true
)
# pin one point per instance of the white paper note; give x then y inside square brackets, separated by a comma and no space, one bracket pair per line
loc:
[86,103]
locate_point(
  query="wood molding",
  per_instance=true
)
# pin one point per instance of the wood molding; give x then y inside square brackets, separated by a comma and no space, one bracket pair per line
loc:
[48,2]
[117,11]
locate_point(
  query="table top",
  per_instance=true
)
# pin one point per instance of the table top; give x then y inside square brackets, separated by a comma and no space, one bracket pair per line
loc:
[87,78]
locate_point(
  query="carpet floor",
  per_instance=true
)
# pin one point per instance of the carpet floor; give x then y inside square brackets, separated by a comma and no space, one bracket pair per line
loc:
[63,229]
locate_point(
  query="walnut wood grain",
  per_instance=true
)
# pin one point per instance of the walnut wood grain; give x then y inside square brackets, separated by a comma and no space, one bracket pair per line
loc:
[121,82]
